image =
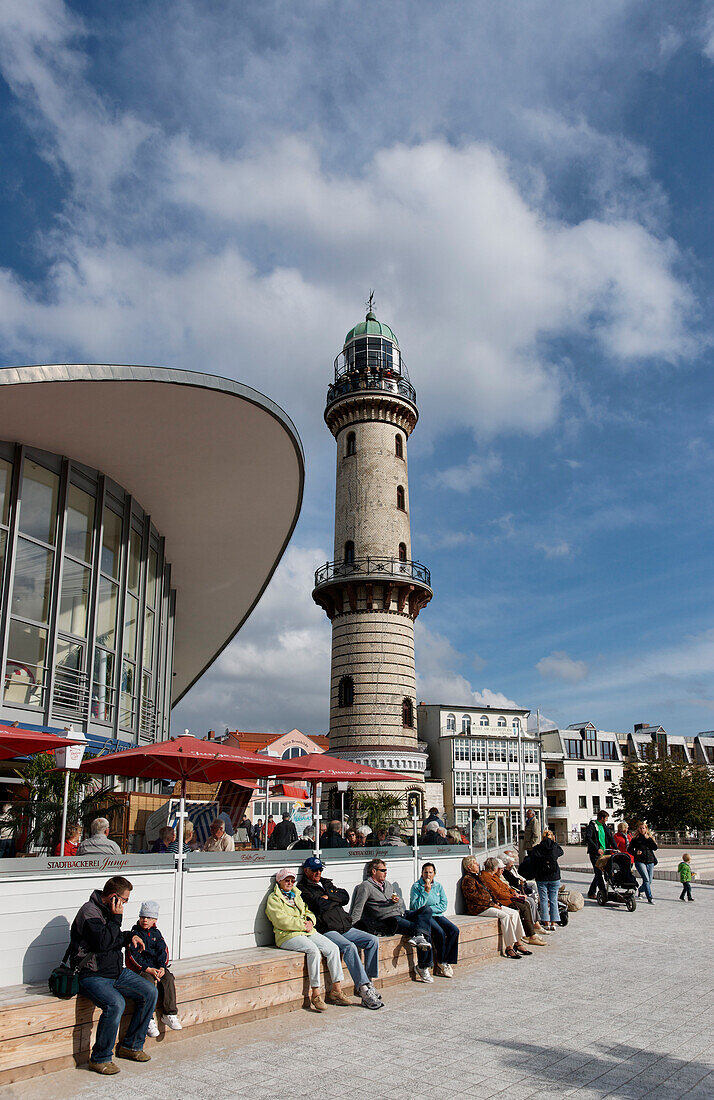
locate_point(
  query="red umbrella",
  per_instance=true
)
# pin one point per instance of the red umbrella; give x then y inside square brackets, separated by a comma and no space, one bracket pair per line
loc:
[185,758]
[15,741]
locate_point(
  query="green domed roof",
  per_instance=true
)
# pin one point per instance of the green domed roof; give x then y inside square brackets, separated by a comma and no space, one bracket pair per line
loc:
[371,327]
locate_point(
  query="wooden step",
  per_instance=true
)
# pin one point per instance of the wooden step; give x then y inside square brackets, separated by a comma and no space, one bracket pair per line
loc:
[41,1034]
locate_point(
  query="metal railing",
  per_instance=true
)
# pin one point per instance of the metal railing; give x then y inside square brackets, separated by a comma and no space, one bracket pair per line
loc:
[373,567]
[69,693]
[147,720]
[364,381]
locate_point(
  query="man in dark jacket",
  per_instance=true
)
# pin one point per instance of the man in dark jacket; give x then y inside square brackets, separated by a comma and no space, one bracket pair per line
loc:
[333,838]
[327,902]
[598,837]
[96,943]
[284,834]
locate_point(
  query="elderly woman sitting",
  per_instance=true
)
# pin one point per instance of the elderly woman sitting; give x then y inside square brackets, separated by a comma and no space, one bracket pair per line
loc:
[481,902]
[519,884]
[294,927]
[492,875]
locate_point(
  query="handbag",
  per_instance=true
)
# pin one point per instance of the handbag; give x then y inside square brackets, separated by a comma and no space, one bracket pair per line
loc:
[63,982]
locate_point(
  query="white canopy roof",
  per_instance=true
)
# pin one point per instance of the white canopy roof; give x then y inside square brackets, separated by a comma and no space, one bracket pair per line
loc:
[218,466]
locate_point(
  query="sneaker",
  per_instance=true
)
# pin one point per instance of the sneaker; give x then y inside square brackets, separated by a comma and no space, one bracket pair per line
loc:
[650,901]
[418,940]
[153,1029]
[106,1068]
[369,999]
[444,970]
[338,998]
[133,1055]
[172,1021]
[545,932]
[376,992]
[318,1004]
[424,974]
[536,941]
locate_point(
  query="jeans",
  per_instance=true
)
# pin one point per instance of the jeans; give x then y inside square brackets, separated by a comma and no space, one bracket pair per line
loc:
[350,943]
[417,922]
[548,896]
[686,891]
[313,947]
[445,939]
[645,872]
[108,994]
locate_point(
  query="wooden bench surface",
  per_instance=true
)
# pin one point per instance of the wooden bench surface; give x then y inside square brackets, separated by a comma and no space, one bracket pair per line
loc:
[40,1033]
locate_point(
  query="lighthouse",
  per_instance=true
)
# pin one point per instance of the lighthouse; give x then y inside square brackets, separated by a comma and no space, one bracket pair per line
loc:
[373,590]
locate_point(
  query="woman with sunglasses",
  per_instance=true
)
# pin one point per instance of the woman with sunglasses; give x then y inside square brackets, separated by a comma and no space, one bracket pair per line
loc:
[294,927]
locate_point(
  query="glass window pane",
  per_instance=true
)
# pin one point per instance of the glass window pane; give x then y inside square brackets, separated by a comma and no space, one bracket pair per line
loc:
[3,543]
[68,693]
[74,601]
[148,638]
[33,581]
[107,613]
[5,485]
[103,686]
[111,544]
[25,672]
[131,622]
[79,524]
[134,571]
[152,586]
[126,699]
[38,502]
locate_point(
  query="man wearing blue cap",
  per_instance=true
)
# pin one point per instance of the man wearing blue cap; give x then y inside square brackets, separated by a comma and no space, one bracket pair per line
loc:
[327,901]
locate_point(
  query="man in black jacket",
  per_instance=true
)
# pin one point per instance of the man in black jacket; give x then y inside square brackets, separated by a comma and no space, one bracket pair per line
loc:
[598,837]
[333,838]
[327,902]
[96,943]
[284,834]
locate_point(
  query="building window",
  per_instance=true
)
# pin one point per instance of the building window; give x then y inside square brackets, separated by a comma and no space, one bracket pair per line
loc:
[596,804]
[581,775]
[479,749]
[483,720]
[516,723]
[609,803]
[501,722]
[591,742]
[351,444]
[398,446]
[532,784]
[498,784]
[401,499]
[582,802]
[515,786]
[349,552]
[498,751]
[462,749]
[594,775]
[451,722]
[293,751]
[466,724]
[346,692]
[607,775]
[573,749]
[607,750]
[407,713]
[402,551]
[530,754]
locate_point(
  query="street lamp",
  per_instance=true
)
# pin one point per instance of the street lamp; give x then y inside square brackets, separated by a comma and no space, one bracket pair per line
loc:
[68,758]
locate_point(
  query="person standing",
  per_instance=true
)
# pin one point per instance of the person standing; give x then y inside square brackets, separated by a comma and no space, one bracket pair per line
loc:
[333,838]
[598,838]
[96,943]
[443,933]
[643,848]
[545,858]
[685,877]
[531,835]
[284,834]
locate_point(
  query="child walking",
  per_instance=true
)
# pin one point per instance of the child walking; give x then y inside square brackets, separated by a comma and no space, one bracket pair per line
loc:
[153,962]
[685,877]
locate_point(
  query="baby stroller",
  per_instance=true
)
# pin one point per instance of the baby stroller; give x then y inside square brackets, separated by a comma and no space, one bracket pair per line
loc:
[620,885]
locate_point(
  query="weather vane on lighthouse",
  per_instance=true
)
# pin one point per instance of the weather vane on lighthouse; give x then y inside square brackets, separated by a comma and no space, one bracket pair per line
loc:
[370,302]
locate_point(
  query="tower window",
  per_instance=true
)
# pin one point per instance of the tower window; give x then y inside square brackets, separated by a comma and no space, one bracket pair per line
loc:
[402,551]
[407,712]
[400,498]
[351,444]
[346,692]
[349,552]
[398,446]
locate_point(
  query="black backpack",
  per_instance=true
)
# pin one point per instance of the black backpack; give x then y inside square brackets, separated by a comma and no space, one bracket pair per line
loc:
[63,982]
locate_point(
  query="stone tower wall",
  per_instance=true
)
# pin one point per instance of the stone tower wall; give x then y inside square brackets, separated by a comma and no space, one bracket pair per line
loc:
[366,511]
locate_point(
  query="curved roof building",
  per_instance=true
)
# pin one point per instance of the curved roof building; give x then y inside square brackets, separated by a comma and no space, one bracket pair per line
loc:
[143,511]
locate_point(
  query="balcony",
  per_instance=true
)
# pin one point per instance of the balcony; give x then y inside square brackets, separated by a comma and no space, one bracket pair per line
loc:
[557,813]
[556,784]
[370,382]
[378,569]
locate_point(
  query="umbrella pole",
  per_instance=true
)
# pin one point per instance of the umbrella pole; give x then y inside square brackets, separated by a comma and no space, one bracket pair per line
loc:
[63,833]
[267,815]
[316,819]
[415,843]
[182,815]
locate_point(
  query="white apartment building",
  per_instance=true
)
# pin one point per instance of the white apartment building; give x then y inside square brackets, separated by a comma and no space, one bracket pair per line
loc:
[581,765]
[488,763]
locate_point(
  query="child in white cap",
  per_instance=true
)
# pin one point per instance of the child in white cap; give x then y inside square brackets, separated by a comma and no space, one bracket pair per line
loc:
[153,963]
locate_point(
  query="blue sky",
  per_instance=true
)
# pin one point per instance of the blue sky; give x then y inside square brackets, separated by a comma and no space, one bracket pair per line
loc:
[529,187]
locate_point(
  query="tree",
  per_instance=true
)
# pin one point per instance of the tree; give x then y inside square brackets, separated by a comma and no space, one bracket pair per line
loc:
[666,794]
[379,808]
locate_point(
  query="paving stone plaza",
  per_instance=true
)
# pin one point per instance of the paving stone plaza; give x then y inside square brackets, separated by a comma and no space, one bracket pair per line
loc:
[621,1005]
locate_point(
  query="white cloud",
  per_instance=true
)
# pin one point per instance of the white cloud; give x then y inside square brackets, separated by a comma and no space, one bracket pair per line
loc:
[474,474]
[558,549]
[438,680]
[559,666]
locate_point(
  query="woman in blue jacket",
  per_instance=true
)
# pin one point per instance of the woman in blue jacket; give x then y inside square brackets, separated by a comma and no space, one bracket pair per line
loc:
[443,934]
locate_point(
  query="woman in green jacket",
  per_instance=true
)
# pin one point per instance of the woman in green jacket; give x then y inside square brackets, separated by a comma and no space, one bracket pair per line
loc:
[294,927]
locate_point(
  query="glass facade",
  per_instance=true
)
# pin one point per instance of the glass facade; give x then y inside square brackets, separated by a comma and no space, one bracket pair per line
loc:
[86,607]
